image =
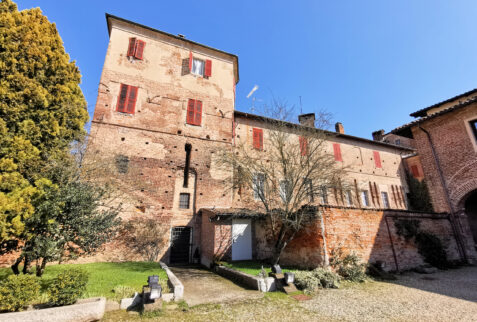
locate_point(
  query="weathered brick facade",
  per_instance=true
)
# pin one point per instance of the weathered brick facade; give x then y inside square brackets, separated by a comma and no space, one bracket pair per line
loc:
[446,145]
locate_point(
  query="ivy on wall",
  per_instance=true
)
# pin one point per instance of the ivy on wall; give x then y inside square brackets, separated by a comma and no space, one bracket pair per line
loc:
[429,246]
[418,196]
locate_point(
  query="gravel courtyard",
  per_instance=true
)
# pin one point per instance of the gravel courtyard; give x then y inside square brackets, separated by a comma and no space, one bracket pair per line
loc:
[444,296]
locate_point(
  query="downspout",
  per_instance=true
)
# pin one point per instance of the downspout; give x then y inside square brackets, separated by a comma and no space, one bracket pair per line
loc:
[456,231]
[391,241]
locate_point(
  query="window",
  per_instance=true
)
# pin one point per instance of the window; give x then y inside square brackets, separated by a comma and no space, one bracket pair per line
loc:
[257,139]
[303,145]
[337,151]
[415,171]
[473,126]
[397,142]
[136,48]
[194,112]
[127,99]
[384,196]
[349,197]
[324,195]
[377,159]
[258,186]
[308,184]
[200,67]
[365,198]
[184,200]
[285,190]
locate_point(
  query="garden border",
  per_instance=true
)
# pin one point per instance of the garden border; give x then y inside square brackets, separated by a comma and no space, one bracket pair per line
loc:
[266,284]
[174,283]
[91,309]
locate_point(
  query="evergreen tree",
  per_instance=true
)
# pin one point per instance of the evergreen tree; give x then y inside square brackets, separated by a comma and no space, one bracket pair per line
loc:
[42,110]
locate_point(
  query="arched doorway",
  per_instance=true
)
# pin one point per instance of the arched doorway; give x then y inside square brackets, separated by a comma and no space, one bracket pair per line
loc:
[470,207]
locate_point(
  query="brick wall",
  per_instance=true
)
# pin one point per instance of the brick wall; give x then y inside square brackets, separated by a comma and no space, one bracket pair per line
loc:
[456,149]
[362,231]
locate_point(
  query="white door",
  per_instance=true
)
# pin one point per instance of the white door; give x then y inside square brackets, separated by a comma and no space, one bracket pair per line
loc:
[241,239]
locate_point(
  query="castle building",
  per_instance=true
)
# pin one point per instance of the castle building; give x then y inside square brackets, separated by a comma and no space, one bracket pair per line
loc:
[166,107]
[445,138]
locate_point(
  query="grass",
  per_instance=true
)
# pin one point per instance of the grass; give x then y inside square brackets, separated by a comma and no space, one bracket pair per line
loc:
[252,267]
[278,307]
[104,277]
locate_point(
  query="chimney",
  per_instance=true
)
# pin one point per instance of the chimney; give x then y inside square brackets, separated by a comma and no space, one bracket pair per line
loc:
[378,135]
[307,119]
[339,128]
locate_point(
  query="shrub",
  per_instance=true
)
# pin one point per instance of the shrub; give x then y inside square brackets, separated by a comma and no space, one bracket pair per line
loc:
[67,287]
[18,291]
[349,266]
[317,278]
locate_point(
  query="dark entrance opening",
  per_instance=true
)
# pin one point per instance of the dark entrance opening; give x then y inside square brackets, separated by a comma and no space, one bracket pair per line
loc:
[181,241]
[471,212]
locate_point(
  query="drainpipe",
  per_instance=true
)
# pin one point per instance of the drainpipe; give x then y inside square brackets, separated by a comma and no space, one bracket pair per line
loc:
[456,231]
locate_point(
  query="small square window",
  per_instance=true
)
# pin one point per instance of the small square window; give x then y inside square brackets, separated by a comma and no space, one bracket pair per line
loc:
[473,126]
[324,195]
[384,196]
[258,186]
[184,200]
[349,198]
[365,198]
[198,67]
[309,189]
[398,142]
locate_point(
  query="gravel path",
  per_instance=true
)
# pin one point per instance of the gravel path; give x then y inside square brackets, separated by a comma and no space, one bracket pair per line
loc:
[444,296]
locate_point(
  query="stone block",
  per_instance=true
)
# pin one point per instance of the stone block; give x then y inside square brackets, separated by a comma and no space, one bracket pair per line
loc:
[131,302]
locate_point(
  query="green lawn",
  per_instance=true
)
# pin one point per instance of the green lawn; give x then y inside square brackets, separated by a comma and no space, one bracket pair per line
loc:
[104,277]
[252,267]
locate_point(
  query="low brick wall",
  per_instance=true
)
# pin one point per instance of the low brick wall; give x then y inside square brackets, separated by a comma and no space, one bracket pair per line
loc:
[370,233]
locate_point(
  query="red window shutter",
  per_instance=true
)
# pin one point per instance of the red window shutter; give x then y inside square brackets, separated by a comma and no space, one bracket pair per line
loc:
[303,145]
[131,101]
[132,46]
[123,94]
[415,171]
[377,159]
[208,68]
[139,49]
[190,111]
[337,152]
[257,139]
[198,112]
[190,61]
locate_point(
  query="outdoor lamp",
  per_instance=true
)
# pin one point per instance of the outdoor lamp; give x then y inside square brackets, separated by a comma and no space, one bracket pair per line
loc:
[155,289]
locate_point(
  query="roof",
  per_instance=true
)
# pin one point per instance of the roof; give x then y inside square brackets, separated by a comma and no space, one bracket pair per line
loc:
[229,213]
[109,16]
[340,135]
[405,130]
[422,112]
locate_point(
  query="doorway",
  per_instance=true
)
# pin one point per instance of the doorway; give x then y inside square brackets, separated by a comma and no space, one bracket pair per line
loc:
[241,239]
[181,242]
[471,212]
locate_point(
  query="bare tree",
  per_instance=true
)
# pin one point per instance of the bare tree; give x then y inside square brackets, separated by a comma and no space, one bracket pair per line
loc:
[289,179]
[145,236]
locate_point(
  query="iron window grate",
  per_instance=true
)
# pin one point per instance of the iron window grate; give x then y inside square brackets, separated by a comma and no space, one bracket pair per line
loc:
[184,200]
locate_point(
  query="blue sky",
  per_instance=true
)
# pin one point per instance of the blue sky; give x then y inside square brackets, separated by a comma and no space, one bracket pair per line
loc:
[369,63]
